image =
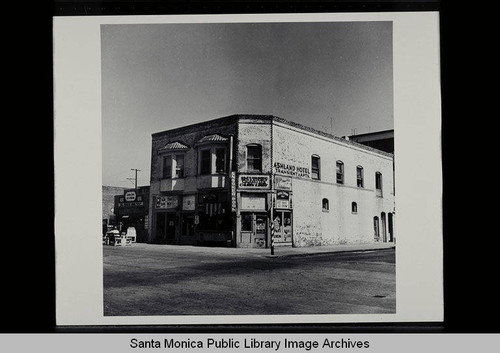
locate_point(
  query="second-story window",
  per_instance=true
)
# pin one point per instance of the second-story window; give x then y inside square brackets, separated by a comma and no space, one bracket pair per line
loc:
[167,167]
[254,158]
[340,172]
[359,176]
[220,160]
[315,167]
[179,166]
[325,205]
[378,183]
[205,162]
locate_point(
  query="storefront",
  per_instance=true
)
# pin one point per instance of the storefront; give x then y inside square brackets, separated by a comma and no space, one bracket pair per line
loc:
[166,218]
[282,211]
[254,200]
[132,213]
[214,220]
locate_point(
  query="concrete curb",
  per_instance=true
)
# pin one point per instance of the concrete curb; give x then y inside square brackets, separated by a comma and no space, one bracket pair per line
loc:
[333,251]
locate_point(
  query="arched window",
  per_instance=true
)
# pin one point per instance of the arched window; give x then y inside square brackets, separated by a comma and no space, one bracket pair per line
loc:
[326,205]
[359,176]
[254,158]
[354,207]
[315,167]
[378,183]
[340,172]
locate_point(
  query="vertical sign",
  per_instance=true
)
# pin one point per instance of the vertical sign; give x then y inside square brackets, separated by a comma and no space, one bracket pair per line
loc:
[233,192]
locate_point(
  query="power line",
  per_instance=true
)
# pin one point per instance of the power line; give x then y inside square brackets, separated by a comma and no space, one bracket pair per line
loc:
[135,179]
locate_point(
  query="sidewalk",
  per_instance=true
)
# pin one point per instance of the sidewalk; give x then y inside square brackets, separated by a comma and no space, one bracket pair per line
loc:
[305,251]
[279,251]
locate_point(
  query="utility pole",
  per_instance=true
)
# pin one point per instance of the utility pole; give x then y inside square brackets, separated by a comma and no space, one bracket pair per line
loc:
[135,179]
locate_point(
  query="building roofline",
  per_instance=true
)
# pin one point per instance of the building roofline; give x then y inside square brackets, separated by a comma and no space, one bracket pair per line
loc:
[271,118]
[373,133]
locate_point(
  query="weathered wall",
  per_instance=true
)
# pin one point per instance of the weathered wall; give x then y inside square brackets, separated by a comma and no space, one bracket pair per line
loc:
[312,225]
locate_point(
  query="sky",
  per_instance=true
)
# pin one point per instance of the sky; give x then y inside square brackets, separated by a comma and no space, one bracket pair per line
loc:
[332,76]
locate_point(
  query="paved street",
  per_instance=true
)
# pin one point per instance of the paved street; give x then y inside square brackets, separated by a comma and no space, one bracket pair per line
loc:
[146,279]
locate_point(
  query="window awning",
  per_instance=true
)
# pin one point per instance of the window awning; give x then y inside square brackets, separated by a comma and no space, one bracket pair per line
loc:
[173,146]
[213,138]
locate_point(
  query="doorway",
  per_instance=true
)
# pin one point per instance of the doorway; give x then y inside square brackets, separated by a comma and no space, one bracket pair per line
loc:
[254,229]
[165,227]
[282,227]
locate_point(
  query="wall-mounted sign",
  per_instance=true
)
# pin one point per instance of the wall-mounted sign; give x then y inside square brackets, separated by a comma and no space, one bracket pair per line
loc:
[188,203]
[282,183]
[130,204]
[282,199]
[166,202]
[233,192]
[130,196]
[290,169]
[253,181]
[146,222]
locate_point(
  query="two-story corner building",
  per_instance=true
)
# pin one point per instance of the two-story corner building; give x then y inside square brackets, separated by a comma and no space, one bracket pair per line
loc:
[241,179]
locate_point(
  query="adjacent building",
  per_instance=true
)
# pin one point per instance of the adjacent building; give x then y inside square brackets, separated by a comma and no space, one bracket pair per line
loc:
[108,206]
[131,209]
[257,180]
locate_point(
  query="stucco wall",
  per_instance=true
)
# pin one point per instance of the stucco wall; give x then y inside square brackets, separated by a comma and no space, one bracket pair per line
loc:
[312,225]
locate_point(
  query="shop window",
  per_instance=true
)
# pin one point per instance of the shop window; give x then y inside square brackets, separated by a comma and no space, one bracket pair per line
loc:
[359,176]
[179,166]
[205,162]
[340,172]
[326,205]
[246,222]
[315,167]
[354,207]
[254,158]
[167,167]
[220,160]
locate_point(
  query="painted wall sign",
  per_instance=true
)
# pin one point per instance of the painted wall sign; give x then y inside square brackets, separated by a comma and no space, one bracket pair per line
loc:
[282,183]
[289,169]
[253,181]
[166,202]
[130,196]
[188,203]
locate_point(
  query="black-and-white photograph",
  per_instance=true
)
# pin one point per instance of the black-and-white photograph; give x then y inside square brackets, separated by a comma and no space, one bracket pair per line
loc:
[248,168]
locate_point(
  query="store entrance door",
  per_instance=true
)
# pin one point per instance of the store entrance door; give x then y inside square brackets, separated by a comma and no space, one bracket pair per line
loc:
[282,227]
[165,227]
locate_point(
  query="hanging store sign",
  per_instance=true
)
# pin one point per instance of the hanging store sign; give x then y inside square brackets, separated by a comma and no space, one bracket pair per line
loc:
[282,183]
[290,169]
[166,202]
[254,181]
